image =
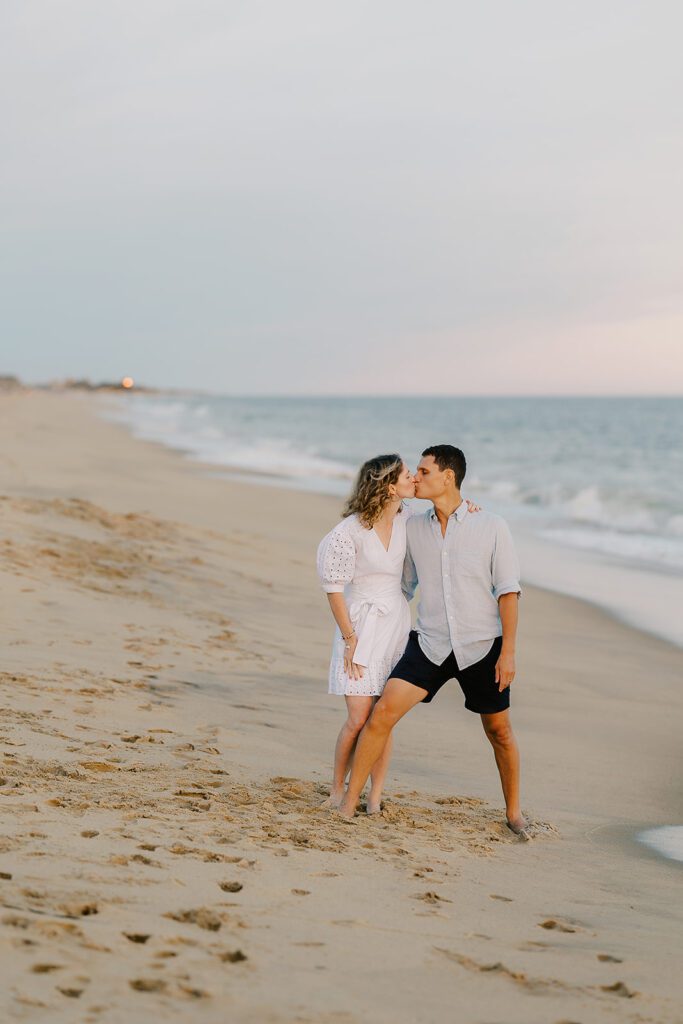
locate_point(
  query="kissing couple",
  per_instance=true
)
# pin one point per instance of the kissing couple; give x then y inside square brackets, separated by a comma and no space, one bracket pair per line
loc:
[370,564]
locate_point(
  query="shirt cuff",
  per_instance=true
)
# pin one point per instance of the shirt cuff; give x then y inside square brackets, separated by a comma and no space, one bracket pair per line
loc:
[511,587]
[333,588]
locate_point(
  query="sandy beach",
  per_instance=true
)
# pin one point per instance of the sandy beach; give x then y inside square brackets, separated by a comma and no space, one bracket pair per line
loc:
[167,740]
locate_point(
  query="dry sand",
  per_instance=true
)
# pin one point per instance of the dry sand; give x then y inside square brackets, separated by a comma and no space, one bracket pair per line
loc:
[166,745]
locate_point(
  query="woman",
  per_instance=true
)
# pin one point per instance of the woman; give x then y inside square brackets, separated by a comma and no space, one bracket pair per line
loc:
[360,564]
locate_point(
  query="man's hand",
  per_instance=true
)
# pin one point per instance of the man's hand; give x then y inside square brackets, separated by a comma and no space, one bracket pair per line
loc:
[505,670]
[352,670]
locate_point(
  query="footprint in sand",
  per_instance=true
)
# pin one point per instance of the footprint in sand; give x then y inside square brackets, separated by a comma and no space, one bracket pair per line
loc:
[606,958]
[235,956]
[432,897]
[421,872]
[148,984]
[75,909]
[203,917]
[553,924]
[619,989]
[505,899]
[136,937]
[193,992]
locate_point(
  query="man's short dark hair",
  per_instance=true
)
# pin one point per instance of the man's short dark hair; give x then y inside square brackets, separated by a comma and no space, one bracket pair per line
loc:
[448,457]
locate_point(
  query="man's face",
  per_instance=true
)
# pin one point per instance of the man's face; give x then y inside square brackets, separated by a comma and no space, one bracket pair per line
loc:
[430,481]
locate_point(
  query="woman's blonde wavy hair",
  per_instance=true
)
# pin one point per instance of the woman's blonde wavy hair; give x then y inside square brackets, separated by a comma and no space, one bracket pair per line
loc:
[370,494]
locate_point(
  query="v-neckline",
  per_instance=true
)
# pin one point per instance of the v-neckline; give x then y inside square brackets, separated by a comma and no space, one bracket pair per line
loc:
[391,536]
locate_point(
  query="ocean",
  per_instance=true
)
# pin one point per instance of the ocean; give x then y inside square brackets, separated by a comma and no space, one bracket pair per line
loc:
[592,487]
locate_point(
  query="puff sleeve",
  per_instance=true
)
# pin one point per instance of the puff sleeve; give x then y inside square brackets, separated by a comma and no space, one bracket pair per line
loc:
[336,561]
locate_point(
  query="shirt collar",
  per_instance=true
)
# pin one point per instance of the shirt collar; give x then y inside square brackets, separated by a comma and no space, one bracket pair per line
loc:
[460,512]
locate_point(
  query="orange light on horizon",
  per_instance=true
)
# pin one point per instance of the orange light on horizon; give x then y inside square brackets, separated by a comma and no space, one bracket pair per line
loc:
[127,382]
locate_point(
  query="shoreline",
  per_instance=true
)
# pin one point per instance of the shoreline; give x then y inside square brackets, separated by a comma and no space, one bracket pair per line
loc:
[588,571]
[167,733]
[640,594]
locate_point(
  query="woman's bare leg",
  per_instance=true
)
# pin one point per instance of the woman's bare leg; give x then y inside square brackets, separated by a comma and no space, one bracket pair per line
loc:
[358,710]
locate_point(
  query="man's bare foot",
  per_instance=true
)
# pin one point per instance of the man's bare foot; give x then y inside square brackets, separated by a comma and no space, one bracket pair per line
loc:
[346,809]
[344,819]
[520,826]
[334,800]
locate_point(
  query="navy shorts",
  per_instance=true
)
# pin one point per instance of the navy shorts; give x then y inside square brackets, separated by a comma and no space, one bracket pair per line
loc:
[477,682]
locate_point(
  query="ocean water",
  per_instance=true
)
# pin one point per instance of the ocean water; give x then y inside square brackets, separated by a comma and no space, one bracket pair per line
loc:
[593,487]
[667,840]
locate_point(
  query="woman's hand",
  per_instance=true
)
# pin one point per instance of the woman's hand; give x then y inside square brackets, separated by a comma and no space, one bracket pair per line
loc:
[352,670]
[471,507]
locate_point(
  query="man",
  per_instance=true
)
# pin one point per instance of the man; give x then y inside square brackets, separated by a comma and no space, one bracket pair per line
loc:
[468,574]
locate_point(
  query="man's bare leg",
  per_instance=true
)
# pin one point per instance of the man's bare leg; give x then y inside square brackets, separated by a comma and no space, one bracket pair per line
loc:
[398,698]
[498,728]
[378,774]
[358,710]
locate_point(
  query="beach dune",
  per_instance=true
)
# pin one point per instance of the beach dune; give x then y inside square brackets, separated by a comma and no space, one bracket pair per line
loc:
[166,746]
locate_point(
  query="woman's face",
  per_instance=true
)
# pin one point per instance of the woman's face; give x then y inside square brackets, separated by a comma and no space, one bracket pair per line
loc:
[405,485]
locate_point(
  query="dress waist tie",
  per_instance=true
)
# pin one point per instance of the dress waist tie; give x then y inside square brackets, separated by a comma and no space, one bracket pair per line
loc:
[364,615]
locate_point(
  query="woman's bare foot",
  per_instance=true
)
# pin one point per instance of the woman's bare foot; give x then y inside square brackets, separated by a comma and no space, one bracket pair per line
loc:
[334,799]
[373,806]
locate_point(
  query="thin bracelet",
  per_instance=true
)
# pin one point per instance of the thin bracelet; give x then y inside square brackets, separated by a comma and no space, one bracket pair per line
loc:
[352,633]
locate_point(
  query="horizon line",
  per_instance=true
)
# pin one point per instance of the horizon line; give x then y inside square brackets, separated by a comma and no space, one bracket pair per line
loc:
[142,386]
[405,395]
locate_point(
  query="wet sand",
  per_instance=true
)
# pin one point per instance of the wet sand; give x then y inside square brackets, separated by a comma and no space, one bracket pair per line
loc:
[166,746]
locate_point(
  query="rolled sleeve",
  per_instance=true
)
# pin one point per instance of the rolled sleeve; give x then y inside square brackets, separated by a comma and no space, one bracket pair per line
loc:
[505,563]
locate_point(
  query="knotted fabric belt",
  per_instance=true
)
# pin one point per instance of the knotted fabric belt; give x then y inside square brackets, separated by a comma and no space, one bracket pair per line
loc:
[364,612]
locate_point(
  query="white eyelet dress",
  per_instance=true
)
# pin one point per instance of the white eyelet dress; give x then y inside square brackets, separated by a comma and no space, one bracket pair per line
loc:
[352,560]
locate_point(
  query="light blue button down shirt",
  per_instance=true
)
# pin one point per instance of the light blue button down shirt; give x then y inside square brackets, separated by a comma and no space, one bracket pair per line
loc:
[461,576]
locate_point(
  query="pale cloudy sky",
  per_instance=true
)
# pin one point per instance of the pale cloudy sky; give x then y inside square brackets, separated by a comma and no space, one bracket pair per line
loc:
[311,196]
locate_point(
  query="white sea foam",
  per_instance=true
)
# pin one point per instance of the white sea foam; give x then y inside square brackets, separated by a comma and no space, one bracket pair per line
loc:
[183,426]
[637,547]
[666,840]
[586,505]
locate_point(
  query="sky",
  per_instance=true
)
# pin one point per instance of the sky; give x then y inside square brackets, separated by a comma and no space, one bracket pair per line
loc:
[350,197]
